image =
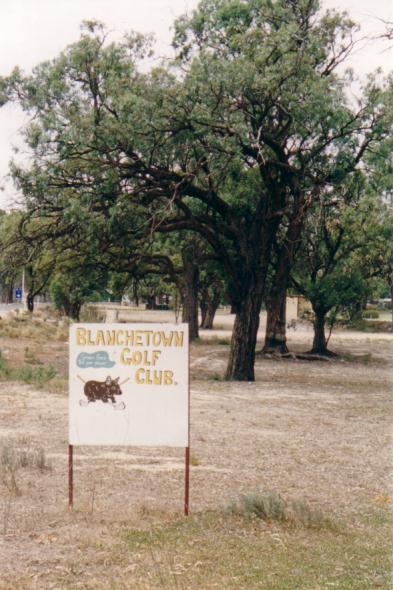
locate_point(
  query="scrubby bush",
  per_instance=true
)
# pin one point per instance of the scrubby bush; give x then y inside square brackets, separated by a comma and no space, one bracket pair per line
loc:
[370,314]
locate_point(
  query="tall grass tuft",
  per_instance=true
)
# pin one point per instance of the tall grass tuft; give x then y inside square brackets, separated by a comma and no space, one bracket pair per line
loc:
[13,459]
[271,506]
[4,369]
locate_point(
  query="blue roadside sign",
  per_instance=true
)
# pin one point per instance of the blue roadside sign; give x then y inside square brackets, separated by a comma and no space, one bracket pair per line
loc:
[18,293]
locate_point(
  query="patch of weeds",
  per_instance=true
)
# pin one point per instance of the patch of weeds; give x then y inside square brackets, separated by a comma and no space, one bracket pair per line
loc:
[38,376]
[30,357]
[308,516]
[221,550]
[371,314]
[220,340]
[9,467]
[9,329]
[29,328]
[360,325]
[62,334]
[271,506]
[380,516]
[364,359]
[137,538]
[4,369]
[216,377]
[194,461]
[13,459]
[57,385]
[214,340]
[34,459]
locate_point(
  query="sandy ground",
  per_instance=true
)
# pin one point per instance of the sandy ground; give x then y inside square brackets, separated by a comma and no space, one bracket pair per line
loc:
[315,431]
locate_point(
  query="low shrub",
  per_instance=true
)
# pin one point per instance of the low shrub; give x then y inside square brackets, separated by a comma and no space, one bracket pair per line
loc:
[13,459]
[4,369]
[271,506]
[216,377]
[268,506]
[28,373]
[37,375]
[370,314]
[30,357]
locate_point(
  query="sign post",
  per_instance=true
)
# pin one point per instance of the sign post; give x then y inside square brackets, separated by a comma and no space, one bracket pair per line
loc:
[187,482]
[70,477]
[129,385]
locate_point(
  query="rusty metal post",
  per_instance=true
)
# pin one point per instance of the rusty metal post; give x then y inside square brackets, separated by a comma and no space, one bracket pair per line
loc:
[70,477]
[187,482]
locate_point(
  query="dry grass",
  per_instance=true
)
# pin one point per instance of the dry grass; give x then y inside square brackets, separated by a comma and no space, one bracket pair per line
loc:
[319,433]
[213,550]
[34,348]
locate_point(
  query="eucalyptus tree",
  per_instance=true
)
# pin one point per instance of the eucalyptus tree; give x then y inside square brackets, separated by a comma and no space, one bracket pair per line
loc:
[74,282]
[380,167]
[347,244]
[212,292]
[9,271]
[174,260]
[234,142]
[20,257]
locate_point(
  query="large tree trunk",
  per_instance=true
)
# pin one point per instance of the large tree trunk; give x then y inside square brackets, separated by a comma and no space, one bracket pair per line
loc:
[391,288]
[319,345]
[188,287]
[72,309]
[209,310]
[76,310]
[212,307]
[7,293]
[203,307]
[30,301]
[244,337]
[150,302]
[275,336]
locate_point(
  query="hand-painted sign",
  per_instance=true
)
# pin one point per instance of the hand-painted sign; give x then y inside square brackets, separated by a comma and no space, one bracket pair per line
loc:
[139,370]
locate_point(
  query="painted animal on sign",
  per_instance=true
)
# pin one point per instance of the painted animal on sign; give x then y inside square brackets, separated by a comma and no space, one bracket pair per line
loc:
[102,390]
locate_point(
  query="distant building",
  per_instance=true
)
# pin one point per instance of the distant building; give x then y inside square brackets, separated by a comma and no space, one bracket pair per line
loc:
[297,307]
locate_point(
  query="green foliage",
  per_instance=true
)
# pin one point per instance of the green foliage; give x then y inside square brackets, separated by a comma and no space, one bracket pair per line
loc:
[346,250]
[234,142]
[338,289]
[73,284]
[30,357]
[269,506]
[370,314]
[29,373]
[4,370]
[238,553]
[38,375]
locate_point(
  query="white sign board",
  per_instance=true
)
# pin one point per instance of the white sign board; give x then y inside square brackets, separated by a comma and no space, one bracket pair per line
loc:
[129,384]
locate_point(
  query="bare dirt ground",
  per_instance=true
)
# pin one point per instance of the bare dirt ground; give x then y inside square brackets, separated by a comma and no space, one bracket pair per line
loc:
[315,431]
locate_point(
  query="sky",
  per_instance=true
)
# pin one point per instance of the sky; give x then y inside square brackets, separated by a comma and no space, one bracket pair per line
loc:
[32,31]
